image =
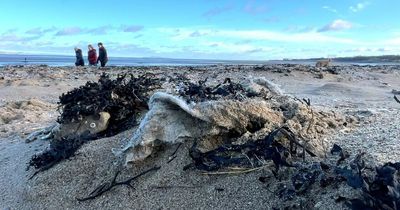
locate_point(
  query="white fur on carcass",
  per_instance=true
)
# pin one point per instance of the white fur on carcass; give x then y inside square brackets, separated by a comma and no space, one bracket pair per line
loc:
[171,119]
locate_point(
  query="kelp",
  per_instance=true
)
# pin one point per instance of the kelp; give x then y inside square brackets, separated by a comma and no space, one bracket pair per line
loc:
[123,98]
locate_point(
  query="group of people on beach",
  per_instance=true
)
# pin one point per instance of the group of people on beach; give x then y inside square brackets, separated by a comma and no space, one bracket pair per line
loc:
[92,56]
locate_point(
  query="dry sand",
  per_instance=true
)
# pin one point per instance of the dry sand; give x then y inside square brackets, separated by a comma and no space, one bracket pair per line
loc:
[28,101]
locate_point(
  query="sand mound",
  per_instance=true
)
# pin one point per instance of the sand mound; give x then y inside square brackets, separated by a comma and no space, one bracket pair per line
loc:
[29,110]
[338,88]
[25,116]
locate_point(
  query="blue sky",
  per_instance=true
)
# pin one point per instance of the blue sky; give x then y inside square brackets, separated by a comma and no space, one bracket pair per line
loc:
[216,29]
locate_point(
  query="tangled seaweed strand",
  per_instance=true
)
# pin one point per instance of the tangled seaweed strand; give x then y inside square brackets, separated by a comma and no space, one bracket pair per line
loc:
[122,98]
[249,154]
[382,191]
[201,92]
[57,152]
[380,188]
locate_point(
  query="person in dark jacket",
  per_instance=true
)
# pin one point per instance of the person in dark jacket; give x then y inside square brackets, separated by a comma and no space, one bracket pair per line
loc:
[79,57]
[102,55]
[92,56]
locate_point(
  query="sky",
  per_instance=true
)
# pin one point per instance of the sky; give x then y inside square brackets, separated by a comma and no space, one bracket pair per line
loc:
[205,29]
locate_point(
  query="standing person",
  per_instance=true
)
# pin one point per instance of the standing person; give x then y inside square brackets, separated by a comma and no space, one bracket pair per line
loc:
[92,56]
[79,57]
[102,55]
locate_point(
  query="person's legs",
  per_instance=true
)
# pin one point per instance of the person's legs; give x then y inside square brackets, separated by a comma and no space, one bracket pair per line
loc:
[103,64]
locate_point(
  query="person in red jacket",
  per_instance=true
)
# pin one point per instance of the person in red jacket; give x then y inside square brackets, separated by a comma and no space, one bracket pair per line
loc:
[92,56]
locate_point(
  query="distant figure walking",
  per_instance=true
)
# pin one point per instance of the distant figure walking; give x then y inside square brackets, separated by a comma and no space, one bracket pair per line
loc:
[79,58]
[102,55]
[323,63]
[92,56]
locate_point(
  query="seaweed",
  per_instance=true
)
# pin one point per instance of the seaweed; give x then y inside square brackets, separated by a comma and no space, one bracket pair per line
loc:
[58,151]
[380,189]
[380,192]
[201,92]
[123,98]
[251,153]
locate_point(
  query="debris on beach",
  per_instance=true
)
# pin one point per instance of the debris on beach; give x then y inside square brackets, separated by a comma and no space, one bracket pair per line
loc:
[396,99]
[95,110]
[236,127]
[261,109]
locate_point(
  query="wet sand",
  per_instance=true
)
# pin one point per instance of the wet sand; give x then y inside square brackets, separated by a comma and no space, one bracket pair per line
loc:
[28,101]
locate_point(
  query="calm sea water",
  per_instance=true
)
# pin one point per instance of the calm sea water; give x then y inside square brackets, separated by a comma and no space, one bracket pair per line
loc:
[60,60]
[57,60]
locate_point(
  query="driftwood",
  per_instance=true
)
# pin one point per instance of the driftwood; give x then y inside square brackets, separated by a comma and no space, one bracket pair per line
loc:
[109,185]
[395,98]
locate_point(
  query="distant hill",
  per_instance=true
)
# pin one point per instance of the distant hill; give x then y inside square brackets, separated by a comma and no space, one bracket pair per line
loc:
[361,59]
[370,59]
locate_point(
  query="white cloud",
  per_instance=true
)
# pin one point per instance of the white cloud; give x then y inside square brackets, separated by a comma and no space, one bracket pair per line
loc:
[69,31]
[330,9]
[260,35]
[133,28]
[392,41]
[236,48]
[283,37]
[337,25]
[217,11]
[359,6]
[253,9]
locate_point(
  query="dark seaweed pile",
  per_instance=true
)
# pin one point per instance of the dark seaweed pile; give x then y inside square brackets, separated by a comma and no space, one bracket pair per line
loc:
[201,92]
[379,187]
[379,190]
[58,151]
[250,153]
[123,98]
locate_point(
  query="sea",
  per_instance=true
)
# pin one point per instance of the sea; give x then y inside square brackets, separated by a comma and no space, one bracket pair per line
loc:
[62,60]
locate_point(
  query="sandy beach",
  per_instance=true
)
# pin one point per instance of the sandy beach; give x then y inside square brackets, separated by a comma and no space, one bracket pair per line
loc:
[28,102]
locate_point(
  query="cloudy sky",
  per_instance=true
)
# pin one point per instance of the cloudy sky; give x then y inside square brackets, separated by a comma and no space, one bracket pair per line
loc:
[216,29]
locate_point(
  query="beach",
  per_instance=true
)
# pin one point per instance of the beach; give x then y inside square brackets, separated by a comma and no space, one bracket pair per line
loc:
[28,102]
